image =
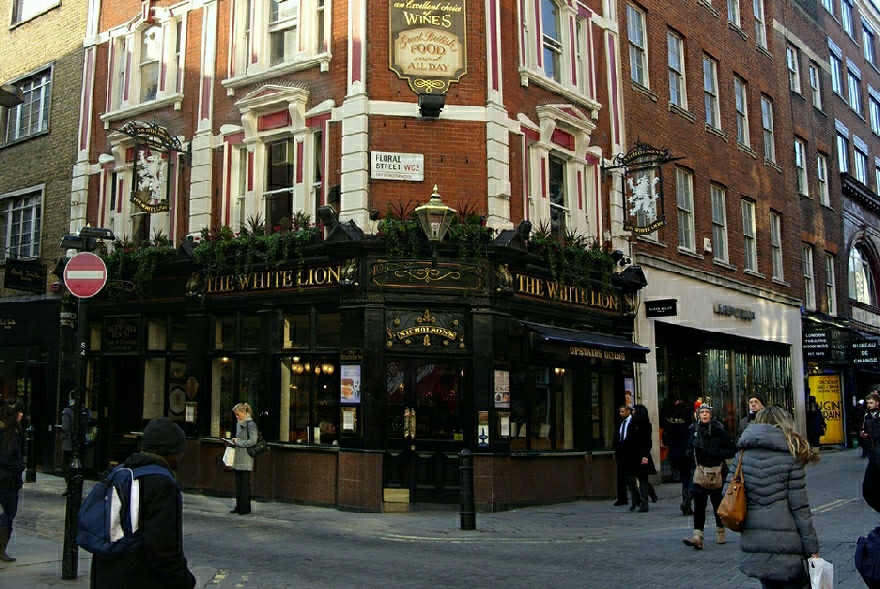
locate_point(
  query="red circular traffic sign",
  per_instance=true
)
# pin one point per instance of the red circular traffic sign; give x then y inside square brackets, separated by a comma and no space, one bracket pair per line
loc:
[85,275]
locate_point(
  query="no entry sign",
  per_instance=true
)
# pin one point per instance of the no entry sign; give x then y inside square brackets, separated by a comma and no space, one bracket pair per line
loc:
[85,275]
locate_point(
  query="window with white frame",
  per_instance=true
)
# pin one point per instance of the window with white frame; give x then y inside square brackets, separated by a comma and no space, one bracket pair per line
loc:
[280,175]
[710,92]
[556,193]
[846,16]
[822,175]
[750,249]
[794,69]
[842,153]
[675,62]
[719,222]
[776,245]
[800,166]
[638,46]
[733,12]
[21,217]
[31,117]
[830,284]
[809,279]
[876,174]
[815,85]
[742,112]
[836,66]
[855,91]
[278,36]
[23,10]
[868,49]
[767,126]
[861,276]
[154,53]
[874,113]
[860,164]
[760,24]
[551,39]
[684,191]
[828,5]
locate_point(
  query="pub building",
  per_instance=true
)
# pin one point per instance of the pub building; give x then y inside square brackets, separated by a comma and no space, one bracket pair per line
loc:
[369,374]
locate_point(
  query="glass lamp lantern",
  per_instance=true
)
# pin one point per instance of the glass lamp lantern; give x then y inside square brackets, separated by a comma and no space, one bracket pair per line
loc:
[435,217]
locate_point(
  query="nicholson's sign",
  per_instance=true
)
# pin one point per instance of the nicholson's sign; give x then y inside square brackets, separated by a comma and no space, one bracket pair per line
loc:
[428,43]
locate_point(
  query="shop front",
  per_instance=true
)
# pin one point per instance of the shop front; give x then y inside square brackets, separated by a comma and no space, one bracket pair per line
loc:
[368,376]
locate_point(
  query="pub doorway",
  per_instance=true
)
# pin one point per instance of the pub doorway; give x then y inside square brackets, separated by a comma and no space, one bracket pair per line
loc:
[425,430]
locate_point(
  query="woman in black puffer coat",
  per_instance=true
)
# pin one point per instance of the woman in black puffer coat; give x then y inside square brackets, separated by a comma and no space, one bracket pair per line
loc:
[778,533]
[709,445]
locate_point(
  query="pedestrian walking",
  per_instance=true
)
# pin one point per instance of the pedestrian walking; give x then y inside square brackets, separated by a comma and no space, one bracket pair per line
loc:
[709,446]
[11,467]
[160,561]
[756,402]
[778,533]
[815,423]
[870,430]
[643,465]
[245,437]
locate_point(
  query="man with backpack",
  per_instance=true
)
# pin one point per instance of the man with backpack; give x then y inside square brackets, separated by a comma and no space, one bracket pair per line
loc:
[158,560]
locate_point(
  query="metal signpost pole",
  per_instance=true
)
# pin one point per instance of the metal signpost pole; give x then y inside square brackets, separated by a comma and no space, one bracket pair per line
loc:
[70,554]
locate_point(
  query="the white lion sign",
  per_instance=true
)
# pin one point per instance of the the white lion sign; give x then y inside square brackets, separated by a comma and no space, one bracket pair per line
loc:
[643,196]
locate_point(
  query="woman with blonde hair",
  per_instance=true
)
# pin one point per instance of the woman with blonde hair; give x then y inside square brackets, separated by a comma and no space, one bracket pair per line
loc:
[778,533]
[245,437]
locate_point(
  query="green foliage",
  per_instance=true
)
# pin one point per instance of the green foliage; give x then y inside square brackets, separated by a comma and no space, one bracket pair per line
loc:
[136,263]
[401,231]
[573,259]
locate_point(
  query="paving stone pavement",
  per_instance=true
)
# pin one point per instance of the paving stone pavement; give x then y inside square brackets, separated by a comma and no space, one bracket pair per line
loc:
[583,544]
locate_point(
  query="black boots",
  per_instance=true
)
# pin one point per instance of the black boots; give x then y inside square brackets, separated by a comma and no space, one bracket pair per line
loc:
[686,503]
[4,540]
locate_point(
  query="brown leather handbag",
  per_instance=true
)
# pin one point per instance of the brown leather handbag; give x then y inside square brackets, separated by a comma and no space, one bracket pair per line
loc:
[732,510]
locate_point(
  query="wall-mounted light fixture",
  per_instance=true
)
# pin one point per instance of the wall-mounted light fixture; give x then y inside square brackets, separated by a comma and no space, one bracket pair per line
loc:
[430,105]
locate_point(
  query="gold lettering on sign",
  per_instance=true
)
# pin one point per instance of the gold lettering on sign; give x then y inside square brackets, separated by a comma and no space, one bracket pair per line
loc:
[557,292]
[596,353]
[316,276]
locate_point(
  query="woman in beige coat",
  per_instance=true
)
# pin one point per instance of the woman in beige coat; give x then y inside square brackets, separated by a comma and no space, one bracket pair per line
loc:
[245,437]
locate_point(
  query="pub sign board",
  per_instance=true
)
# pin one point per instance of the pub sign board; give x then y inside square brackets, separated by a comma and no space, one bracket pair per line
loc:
[642,187]
[428,43]
[25,275]
[122,334]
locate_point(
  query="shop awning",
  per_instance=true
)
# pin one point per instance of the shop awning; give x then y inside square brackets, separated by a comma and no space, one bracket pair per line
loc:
[586,344]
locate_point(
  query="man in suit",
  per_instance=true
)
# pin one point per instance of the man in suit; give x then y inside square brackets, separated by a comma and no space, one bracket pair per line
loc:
[623,454]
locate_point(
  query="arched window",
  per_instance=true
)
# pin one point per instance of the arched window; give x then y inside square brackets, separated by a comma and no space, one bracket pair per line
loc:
[861,277]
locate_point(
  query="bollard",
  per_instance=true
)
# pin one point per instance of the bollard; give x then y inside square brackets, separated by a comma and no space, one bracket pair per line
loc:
[30,473]
[70,549]
[467,510]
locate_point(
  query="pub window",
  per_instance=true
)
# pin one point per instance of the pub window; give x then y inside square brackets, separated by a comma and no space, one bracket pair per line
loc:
[224,333]
[541,409]
[297,331]
[309,400]
[154,388]
[250,331]
[178,333]
[328,330]
[157,330]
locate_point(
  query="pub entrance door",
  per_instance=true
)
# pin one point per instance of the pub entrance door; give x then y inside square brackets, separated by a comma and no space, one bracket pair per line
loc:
[425,429]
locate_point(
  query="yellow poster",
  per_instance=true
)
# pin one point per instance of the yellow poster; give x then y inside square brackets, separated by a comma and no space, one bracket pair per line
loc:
[826,389]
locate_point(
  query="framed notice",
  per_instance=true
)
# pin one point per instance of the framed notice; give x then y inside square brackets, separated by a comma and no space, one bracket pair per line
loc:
[349,419]
[502,389]
[350,384]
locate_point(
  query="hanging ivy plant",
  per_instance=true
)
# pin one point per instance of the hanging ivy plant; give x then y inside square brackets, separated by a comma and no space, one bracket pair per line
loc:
[136,264]
[573,259]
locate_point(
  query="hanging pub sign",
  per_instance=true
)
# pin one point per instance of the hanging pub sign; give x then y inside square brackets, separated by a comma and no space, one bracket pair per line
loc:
[428,43]
[153,146]
[643,187]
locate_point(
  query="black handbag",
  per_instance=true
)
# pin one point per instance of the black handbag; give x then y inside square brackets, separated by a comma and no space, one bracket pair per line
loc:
[258,448]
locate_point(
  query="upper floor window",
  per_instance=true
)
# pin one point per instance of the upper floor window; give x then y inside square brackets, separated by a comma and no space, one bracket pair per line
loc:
[836,66]
[684,190]
[767,125]
[860,164]
[556,191]
[815,87]
[280,169]
[874,112]
[32,115]
[710,92]
[846,16]
[677,92]
[800,166]
[830,284]
[750,249]
[855,91]
[760,24]
[719,222]
[776,245]
[20,220]
[868,49]
[276,36]
[842,154]
[822,175]
[23,10]
[638,47]
[828,5]
[861,277]
[551,38]
[742,112]
[733,12]
[809,279]
[794,70]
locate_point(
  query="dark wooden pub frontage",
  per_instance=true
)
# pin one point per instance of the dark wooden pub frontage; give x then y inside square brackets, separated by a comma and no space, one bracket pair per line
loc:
[369,374]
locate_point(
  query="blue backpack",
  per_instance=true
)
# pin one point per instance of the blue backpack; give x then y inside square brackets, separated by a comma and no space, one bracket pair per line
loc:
[109,517]
[867,556]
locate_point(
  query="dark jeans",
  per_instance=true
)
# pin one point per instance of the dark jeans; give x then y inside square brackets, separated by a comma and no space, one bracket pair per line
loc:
[243,491]
[637,497]
[9,505]
[701,498]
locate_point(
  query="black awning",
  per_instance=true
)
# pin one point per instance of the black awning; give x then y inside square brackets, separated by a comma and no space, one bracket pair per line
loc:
[586,344]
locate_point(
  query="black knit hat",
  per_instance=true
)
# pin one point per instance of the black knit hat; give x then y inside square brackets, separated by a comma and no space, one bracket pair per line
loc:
[163,437]
[759,397]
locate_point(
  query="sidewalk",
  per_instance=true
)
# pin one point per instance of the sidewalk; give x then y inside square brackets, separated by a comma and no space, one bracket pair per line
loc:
[576,544]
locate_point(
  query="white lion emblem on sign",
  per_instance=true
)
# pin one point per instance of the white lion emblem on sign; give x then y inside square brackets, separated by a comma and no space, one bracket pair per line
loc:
[643,196]
[150,170]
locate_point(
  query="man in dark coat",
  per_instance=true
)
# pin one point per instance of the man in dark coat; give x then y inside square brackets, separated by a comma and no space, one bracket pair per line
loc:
[627,454]
[870,431]
[756,403]
[160,562]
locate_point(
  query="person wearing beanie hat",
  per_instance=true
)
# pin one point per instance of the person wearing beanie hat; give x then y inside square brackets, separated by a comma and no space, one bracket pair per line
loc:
[160,561]
[756,402]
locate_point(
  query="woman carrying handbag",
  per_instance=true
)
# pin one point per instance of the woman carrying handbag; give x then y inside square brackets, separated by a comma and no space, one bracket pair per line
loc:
[709,446]
[778,533]
[245,437]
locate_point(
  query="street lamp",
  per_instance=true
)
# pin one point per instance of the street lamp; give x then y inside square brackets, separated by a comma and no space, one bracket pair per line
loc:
[435,218]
